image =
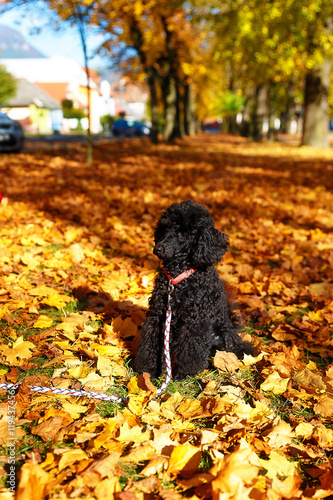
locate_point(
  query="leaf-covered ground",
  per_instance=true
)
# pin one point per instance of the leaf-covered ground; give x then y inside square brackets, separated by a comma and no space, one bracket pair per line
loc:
[76,270]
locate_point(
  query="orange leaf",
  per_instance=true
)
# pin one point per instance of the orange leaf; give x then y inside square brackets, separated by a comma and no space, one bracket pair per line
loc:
[184,460]
[32,482]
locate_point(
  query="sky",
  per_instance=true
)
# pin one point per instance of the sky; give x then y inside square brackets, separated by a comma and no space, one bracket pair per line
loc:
[65,43]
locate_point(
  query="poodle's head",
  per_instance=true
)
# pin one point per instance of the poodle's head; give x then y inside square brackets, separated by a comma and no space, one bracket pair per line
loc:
[186,236]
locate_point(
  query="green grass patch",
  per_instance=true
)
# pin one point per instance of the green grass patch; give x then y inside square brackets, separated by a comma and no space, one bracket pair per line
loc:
[129,471]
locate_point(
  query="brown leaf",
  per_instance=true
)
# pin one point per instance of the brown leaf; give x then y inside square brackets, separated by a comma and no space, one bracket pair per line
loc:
[309,379]
[324,406]
[226,361]
[49,428]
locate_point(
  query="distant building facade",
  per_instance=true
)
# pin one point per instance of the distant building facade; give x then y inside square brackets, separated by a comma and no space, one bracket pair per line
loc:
[36,110]
[44,82]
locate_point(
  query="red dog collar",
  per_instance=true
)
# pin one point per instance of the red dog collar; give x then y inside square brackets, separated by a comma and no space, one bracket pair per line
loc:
[179,278]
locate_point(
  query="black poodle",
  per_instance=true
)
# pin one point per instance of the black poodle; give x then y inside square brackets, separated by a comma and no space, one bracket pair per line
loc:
[187,240]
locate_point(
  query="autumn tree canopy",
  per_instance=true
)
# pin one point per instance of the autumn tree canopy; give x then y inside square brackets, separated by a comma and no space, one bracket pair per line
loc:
[274,54]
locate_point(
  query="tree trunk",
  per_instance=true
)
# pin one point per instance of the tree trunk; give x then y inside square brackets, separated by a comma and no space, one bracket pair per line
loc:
[315,125]
[170,107]
[153,108]
[288,114]
[259,112]
[178,130]
[83,36]
[189,118]
[138,43]
[89,137]
[270,113]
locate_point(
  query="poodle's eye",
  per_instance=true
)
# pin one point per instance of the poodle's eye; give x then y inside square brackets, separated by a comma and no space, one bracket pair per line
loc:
[181,235]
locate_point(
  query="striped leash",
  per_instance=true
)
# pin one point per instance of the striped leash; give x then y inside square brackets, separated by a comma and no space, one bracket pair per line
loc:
[107,397]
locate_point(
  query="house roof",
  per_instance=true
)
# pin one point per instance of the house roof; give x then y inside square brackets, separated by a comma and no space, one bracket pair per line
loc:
[14,45]
[28,93]
[57,91]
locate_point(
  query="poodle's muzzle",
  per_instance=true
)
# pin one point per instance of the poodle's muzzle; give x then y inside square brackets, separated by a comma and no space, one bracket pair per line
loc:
[168,248]
[162,250]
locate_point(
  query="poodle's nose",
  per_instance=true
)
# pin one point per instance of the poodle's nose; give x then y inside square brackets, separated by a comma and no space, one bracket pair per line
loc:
[160,250]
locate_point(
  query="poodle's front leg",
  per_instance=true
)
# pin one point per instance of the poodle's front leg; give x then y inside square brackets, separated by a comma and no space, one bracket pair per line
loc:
[230,341]
[148,357]
[192,353]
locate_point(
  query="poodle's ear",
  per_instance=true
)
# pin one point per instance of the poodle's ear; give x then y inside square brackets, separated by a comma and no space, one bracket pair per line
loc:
[209,247]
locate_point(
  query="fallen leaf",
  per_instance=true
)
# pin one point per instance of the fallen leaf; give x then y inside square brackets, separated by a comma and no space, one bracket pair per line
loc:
[278,466]
[275,383]
[184,460]
[226,361]
[33,480]
[20,350]
[43,322]
[70,457]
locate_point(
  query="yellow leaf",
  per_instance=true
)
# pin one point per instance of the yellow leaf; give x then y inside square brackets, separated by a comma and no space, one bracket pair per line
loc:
[190,408]
[136,403]
[43,322]
[81,370]
[57,300]
[319,288]
[278,466]
[108,368]
[126,327]
[70,324]
[107,488]
[184,460]
[21,349]
[3,310]
[133,387]
[133,434]
[49,461]
[280,436]
[315,316]
[74,409]
[323,436]
[234,473]
[261,413]
[71,234]
[77,253]
[304,430]
[41,291]
[106,434]
[249,360]
[33,480]
[70,457]
[275,383]
[108,350]
[324,407]
[154,466]
[289,487]
[143,452]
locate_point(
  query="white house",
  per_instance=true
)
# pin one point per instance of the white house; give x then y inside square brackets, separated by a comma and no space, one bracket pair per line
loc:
[61,78]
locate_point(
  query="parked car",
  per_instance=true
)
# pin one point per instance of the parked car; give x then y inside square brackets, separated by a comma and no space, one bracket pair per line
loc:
[11,134]
[129,128]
